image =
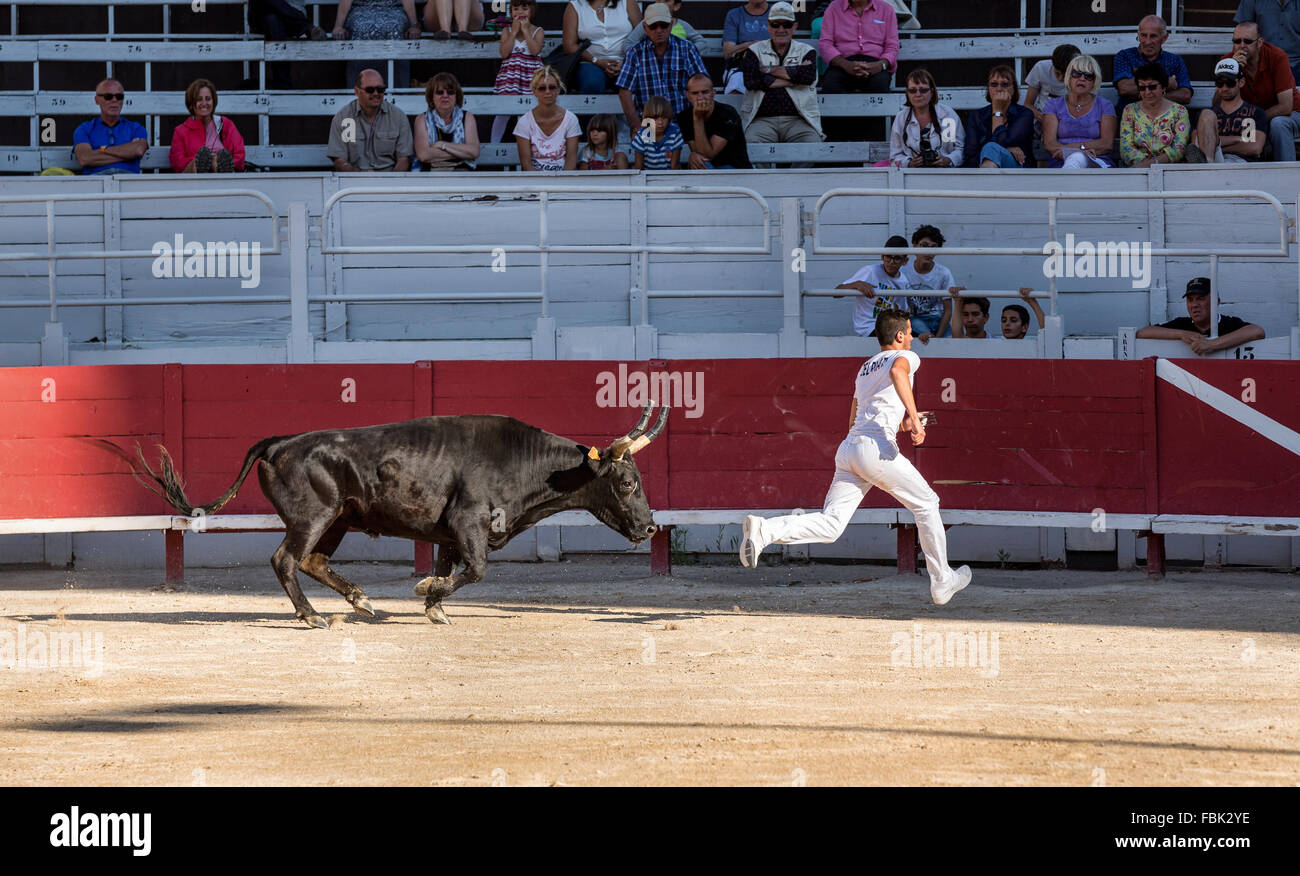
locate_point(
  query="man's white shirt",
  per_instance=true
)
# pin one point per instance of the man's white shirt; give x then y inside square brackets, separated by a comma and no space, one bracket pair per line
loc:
[880,410]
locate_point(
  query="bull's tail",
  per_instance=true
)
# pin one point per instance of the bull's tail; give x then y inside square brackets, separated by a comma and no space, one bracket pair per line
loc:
[166,482]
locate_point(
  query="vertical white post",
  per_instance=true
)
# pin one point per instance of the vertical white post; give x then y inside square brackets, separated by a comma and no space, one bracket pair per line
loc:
[49,261]
[1214,296]
[301,348]
[543,239]
[793,340]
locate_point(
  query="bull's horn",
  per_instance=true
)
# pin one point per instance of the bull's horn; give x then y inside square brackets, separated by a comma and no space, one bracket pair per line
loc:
[642,440]
[620,446]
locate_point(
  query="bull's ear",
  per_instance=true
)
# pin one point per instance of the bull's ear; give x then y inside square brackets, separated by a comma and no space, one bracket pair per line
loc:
[594,460]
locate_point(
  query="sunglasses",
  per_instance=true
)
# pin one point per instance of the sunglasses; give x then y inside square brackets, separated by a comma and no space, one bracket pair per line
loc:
[1242,41]
[375,89]
[1079,74]
[894,258]
[1150,86]
[999,84]
[114,95]
[780,25]
[442,92]
[919,89]
[658,25]
[550,87]
[1225,83]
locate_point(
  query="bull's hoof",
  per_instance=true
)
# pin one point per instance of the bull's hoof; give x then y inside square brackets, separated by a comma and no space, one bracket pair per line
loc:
[429,586]
[363,606]
[436,615]
[314,620]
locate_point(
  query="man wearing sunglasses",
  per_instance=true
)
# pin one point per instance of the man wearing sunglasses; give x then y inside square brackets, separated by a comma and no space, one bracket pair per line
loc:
[369,133]
[109,143]
[1152,35]
[1279,23]
[1267,82]
[657,67]
[781,85]
[1231,131]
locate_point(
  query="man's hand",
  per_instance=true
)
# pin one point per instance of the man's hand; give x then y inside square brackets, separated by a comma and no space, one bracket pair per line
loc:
[340,33]
[925,337]
[955,291]
[1200,346]
[1026,291]
[698,162]
[917,431]
[865,288]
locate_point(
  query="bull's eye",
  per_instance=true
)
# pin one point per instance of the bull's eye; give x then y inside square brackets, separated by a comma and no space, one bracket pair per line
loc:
[627,488]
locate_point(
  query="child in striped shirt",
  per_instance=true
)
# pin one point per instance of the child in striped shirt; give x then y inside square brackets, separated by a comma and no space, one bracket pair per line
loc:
[658,146]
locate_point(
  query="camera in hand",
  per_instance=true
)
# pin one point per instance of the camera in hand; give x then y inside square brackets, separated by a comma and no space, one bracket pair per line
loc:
[928,156]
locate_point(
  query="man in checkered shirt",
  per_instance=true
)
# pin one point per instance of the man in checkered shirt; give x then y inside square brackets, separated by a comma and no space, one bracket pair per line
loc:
[658,66]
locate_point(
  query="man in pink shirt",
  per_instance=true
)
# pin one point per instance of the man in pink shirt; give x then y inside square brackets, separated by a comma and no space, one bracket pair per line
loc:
[859,42]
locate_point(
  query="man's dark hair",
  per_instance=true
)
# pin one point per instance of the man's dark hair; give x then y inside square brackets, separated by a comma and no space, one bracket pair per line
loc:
[898,241]
[1023,311]
[982,302]
[927,231]
[1151,72]
[890,323]
[1062,55]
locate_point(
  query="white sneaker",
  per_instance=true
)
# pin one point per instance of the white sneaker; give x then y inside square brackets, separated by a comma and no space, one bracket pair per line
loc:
[752,542]
[961,578]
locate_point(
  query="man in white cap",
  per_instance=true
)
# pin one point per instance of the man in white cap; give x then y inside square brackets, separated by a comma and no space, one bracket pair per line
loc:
[1232,130]
[657,67]
[780,84]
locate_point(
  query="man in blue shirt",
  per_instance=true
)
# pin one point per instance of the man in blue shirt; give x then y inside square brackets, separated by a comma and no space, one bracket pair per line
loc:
[110,143]
[1279,24]
[1152,34]
[658,66]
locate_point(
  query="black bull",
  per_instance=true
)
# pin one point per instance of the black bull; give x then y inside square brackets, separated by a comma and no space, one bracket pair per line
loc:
[468,484]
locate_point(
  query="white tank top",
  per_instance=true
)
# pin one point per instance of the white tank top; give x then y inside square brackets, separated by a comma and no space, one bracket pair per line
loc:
[880,410]
[608,37]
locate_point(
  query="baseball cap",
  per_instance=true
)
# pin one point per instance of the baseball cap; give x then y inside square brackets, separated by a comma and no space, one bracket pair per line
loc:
[656,13]
[781,11]
[1228,67]
[1198,286]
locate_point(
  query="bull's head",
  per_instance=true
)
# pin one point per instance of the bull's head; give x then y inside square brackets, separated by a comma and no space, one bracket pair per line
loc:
[616,498]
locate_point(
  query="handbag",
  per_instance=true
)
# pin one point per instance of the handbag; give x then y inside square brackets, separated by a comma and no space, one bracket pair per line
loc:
[566,63]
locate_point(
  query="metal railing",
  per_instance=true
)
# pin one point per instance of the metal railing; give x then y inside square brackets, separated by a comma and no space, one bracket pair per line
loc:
[1214,252]
[543,191]
[51,256]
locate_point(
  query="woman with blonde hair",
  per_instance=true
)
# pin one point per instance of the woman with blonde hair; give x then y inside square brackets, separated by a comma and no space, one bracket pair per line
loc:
[1079,128]
[547,135]
[205,142]
[446,136]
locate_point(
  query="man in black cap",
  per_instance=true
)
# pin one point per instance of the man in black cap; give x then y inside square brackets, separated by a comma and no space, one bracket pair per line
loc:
[1195,327]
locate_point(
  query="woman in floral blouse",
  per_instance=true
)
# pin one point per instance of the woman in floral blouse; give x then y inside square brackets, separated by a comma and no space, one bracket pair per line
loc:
[1155,130]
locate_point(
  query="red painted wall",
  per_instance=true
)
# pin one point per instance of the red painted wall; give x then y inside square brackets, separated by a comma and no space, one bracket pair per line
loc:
[1046,435]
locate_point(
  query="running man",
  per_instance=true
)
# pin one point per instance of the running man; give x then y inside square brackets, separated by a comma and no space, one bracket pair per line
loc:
[869,457]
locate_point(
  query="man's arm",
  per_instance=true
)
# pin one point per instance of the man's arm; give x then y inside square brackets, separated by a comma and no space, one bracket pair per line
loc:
[898,373]
[1162,333]
[1179,88]
[1283,107]
[1248,332]
[629,109]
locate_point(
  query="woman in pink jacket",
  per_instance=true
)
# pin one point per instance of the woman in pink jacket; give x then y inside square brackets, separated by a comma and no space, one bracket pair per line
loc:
[205,142]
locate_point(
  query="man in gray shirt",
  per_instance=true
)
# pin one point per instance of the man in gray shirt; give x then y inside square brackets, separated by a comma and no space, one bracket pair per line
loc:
[1279,24]
[370,134]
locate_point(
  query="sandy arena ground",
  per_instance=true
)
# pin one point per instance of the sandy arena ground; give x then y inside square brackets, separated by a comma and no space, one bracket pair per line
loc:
[590,672]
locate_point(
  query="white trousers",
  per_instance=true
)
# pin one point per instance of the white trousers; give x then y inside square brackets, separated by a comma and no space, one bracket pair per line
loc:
[860,464]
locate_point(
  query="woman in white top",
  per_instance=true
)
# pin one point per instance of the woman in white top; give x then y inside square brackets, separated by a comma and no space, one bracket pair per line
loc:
[926,133]
[607,23]
[547,135]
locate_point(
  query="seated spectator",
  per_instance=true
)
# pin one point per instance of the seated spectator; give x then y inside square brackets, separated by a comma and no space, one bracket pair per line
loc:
[547,135]
[886,275]
[109,143]
[377,20]
[607,26]
[657,67]
[1152,35]
[1015,318]
[1267,82]
[780,84]
[1155,130]
[279,21]
[658,146]
[448,18]
[1046,79]
[972,316]
[520,49]
[1279,23]
[1223,133]
[931,315]
[859,43]
[369,133]
[1079,129]
[743,26]
[1195,327]
[445,136]
[601,151]
[205,142]
[927,133]
[678,28]
[711,129]
[1002,133]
